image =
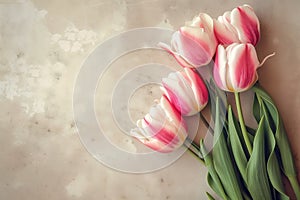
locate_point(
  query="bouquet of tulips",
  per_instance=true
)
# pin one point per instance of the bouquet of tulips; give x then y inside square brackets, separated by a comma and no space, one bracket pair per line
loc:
[245,162]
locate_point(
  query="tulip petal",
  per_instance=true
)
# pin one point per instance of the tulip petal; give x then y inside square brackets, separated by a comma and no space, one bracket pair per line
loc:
[163,129]
[190,92]
[224,31]
[201,31]
[171,112]
[227,21]
[236,66]
[240,25]
[176,99]
[194,33]
[245,18]
[186,91]
[199,88]
[194,44]
[243,62]
[178,58]
[203,20]
[220,68]
[190,50]
[151,142]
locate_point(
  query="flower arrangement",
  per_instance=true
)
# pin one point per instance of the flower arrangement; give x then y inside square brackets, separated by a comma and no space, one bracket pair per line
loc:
[245,162]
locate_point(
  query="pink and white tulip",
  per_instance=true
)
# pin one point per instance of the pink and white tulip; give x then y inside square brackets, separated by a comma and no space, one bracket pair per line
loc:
[162,129]
[194,44]
[186,91]
[240,25]
[235,67]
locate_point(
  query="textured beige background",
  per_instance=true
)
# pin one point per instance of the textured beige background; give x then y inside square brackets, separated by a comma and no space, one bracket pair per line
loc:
[42,46]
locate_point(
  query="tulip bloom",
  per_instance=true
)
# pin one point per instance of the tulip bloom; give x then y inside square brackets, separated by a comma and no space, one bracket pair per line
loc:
[194,44]
[186,91]
[235,67]
[162,129]
[240,25]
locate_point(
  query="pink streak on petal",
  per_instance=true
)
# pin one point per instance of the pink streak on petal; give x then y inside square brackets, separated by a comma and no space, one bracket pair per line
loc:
[166,137]
[216,70]
[249,26]
[179,103]
[198,86]
[246,69]
[172,111]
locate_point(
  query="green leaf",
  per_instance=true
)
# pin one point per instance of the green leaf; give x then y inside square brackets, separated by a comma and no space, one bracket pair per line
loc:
[246,196]
[236,145]
[273,167]
[209,196]
[251,133]
[216,185]
[276,138]
[222,161]
[257,177]
[213,179]
[257,109]
[279,132]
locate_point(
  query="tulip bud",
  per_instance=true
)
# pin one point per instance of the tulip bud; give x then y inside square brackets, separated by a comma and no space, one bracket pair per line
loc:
[194,44]
[186,91]
[235,67]
[162,129]
[240,25]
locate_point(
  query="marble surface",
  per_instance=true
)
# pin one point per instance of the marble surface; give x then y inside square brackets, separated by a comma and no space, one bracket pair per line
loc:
[42,47]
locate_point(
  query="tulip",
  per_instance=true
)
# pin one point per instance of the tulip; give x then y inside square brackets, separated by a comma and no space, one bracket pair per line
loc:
[162,129]
[235,67]
[240,25]
[186,91]
[194,44]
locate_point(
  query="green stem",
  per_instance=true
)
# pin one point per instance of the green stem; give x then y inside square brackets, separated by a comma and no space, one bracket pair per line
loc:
[242,122]
[294,183]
